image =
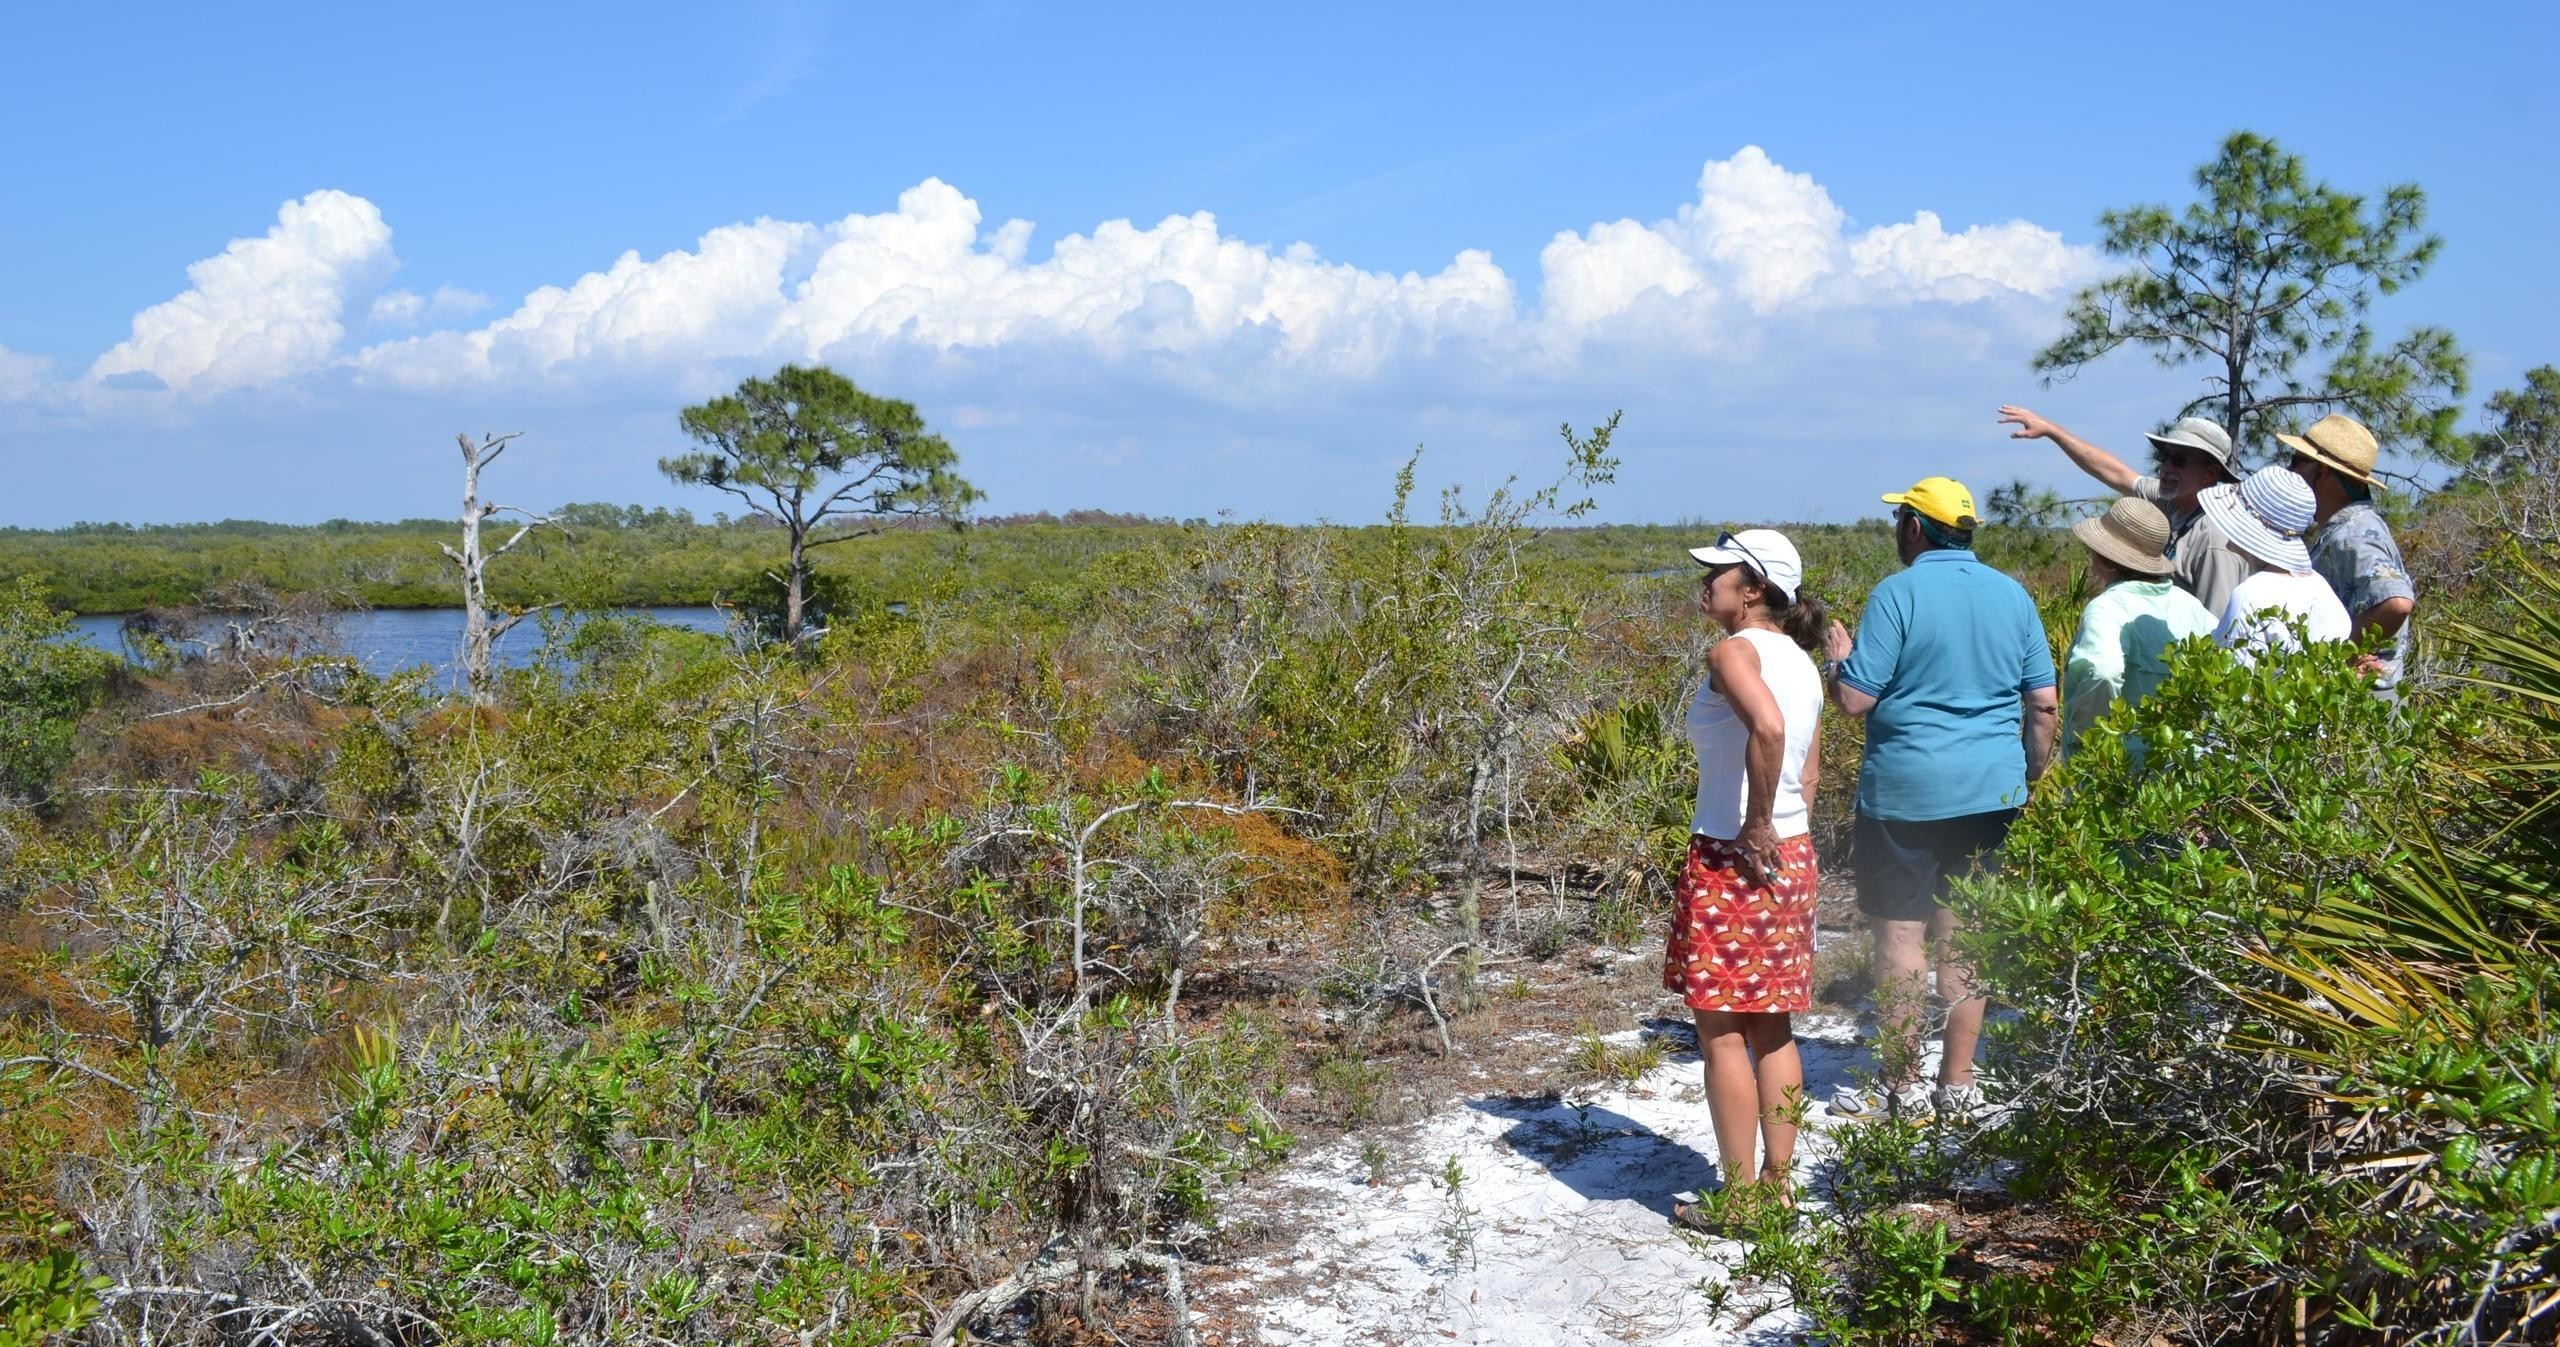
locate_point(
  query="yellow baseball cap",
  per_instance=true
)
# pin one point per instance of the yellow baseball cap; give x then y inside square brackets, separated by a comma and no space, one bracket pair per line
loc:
[1941,498]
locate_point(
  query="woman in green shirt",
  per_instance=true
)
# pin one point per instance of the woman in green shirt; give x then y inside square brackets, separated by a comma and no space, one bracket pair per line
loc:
[2125,633]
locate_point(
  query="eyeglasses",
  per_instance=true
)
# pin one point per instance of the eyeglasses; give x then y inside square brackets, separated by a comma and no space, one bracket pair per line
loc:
[2304,465]
[2185,458]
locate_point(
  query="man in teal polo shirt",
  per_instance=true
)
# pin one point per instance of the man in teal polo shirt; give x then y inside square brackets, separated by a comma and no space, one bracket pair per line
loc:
[1952,674]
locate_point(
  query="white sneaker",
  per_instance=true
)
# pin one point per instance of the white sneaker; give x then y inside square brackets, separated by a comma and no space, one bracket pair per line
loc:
[1960,1101]
[1910,1101]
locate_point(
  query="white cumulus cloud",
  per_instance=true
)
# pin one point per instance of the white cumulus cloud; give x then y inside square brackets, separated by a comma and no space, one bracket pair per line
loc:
[929,275]
[724,298]
[926,274]
[1591,277]
[1775,241]
[1921,260]
[1757,250]
[264,309]
[1776,233]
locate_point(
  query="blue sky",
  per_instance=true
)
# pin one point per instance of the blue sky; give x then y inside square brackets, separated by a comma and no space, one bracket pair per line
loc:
[1268,252]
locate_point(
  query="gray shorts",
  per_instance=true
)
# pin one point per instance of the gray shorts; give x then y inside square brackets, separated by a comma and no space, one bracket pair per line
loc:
[1904,866]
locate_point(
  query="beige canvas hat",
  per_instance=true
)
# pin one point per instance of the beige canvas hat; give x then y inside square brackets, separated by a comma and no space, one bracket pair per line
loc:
[2202,434]
[2132,534]
[2340,442]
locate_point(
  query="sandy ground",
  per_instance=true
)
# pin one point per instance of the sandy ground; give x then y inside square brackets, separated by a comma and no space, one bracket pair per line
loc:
[1559,1230]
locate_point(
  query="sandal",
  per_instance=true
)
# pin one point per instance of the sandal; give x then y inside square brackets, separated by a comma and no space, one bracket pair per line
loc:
[1692,1216]
[1741,1211]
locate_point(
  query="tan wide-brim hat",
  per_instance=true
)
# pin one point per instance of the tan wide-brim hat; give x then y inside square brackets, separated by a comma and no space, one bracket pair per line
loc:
[2340,442]
[2132,533]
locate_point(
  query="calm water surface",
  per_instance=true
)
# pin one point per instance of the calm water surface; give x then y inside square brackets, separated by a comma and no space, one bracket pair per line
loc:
[385,640]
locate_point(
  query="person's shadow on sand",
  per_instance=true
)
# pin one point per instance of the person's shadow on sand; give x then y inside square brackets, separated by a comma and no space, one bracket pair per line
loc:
[1605,1156]
[1602,1155]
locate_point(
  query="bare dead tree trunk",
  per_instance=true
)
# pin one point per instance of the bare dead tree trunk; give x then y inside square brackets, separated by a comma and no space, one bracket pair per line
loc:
[475,589]
[1492,747]
[1464,997]
[479,634]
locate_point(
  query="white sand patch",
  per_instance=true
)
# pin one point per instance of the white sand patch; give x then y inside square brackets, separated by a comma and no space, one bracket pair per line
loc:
[1558,1232]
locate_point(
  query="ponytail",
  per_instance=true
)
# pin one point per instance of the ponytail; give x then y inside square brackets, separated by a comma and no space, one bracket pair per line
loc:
[1805,621]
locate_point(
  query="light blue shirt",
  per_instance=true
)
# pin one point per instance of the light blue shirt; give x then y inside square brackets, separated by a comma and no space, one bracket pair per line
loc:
[2122,651]
[1946,646]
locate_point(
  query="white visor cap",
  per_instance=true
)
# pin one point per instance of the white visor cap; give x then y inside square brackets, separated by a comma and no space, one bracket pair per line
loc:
[1766,551]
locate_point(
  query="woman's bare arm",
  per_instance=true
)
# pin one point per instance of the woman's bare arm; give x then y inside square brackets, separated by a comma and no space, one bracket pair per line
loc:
[1736,668]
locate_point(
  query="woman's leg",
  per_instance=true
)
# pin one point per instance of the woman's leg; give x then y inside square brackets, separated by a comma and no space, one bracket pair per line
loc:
[1779,1071]
[1733,1095]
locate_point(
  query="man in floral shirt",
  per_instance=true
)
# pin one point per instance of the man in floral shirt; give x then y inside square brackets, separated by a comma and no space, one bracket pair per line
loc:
[2355,551]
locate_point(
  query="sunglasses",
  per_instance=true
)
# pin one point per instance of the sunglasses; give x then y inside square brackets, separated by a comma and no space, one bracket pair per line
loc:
[2186,458]
[1751,562]
[1728,543]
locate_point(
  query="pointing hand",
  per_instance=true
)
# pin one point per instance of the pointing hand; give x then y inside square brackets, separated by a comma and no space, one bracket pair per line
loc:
[2029,425]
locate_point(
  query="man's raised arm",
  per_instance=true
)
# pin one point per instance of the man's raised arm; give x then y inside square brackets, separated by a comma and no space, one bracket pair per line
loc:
[2116,474]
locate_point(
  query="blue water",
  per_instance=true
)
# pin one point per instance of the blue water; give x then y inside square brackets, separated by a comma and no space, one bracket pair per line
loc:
[385,640]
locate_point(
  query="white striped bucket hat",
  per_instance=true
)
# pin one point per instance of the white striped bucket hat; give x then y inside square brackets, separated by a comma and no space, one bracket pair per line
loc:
[2265,516]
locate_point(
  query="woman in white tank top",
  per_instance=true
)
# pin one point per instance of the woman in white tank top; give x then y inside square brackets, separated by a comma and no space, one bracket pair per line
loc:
[1741,945]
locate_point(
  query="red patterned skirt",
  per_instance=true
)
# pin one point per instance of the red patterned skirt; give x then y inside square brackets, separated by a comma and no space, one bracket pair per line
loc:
[1739,948]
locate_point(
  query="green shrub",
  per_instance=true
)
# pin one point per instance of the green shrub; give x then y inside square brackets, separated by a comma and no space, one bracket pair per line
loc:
[2276,955]
[46,684]
[43,1296]
[1901,1276]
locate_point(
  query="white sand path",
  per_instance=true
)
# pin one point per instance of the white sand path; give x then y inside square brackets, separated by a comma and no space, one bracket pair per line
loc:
[1559,1233]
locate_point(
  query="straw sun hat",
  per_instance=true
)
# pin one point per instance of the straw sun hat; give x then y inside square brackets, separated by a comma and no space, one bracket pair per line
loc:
[2265,516]
[2340,442]
[2132,533]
